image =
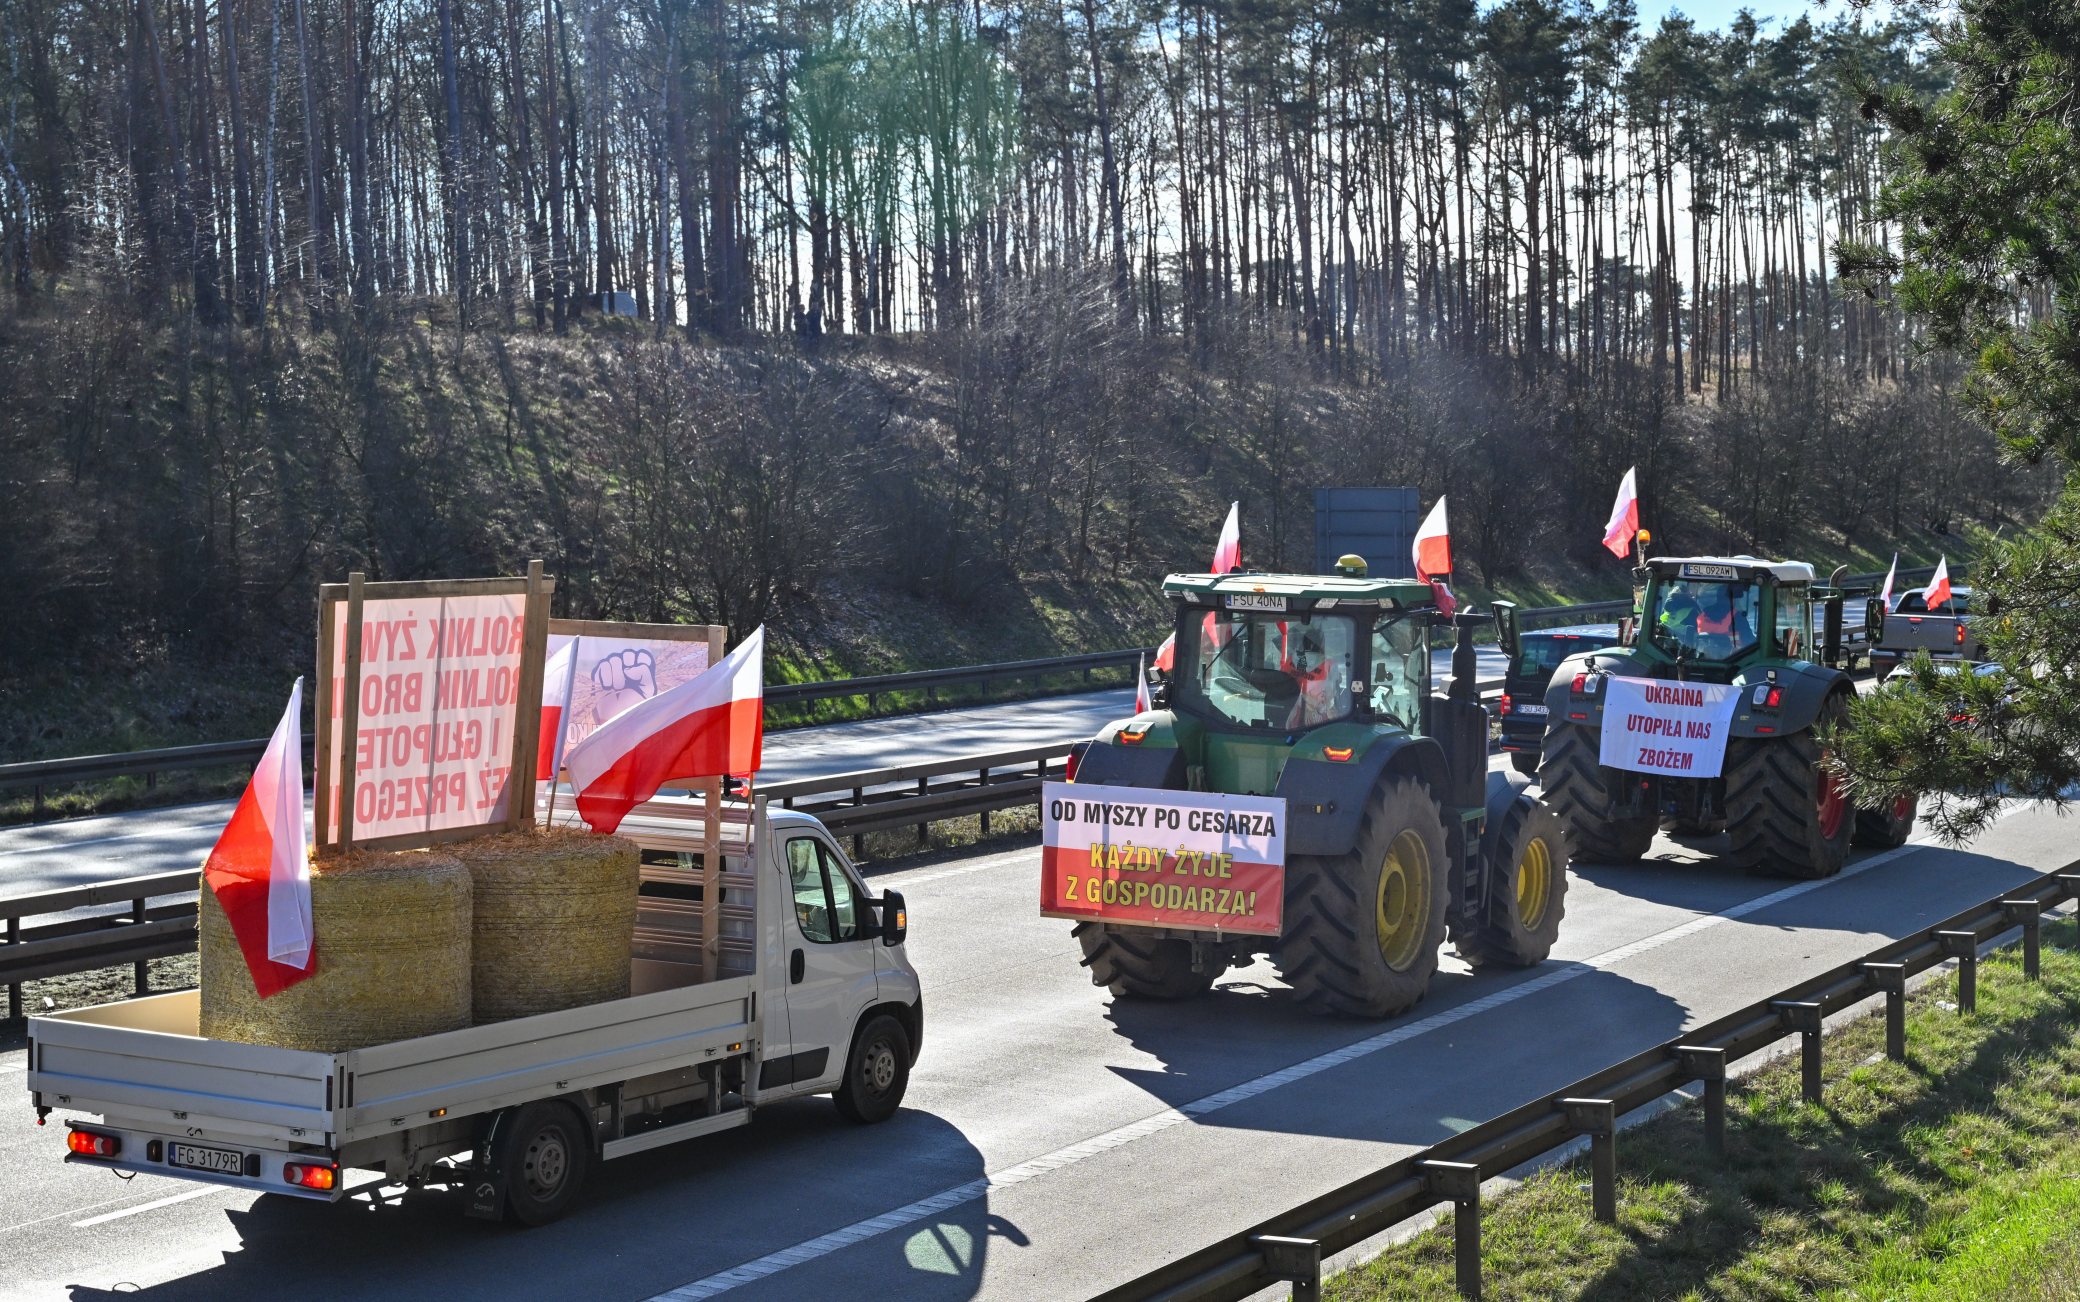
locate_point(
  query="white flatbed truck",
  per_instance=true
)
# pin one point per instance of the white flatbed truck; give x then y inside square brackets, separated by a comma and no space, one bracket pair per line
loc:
[811,993]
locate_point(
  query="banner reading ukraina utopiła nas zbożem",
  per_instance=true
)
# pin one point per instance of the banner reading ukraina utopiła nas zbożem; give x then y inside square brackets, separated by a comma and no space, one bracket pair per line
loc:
[1655,726]
[1190,859]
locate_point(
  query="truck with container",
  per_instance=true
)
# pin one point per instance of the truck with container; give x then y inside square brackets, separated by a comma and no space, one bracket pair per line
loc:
[1301,705]
[811,993]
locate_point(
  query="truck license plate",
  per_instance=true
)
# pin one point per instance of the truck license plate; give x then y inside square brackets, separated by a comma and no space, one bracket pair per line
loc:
[222,1161]
[1255,601]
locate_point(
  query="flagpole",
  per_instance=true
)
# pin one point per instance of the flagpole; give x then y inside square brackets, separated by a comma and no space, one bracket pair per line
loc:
[563,726]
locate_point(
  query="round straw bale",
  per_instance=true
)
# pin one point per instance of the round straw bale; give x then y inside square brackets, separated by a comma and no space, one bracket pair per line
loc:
[555,919]
[393,958]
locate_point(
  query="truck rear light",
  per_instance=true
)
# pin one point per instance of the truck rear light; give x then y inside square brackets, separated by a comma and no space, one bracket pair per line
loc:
[310,1175]
[88,1143]
[1340,754]
[1960,632]
[1502,704]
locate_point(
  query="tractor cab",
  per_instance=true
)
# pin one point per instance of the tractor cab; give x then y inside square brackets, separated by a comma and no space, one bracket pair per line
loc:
[1710,616]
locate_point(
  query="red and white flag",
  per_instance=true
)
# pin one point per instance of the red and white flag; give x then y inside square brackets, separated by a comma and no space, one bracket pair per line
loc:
[1623,526]
[260,867]
[1433,549]
[709,726]
[1142,705]
[1227,553]
[1885,593]
[556,701]
[1166,654]
[1938,591]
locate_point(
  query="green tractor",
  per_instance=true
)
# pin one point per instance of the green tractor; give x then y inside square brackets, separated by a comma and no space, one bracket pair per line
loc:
[1738,630]
[1317,691]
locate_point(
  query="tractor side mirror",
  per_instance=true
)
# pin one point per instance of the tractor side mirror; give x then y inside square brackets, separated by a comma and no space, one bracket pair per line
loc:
[1874,621]
[1506,627]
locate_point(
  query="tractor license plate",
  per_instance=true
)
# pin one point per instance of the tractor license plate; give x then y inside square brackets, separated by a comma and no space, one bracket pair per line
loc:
[1255,601]
[221,1161]
[1694,571]
[1530,711]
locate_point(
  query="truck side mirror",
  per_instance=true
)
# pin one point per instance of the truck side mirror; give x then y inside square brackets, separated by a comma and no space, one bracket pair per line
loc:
[1874,621]
[895,918]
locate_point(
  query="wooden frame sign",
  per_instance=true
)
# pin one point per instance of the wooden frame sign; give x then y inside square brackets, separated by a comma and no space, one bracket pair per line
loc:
[421,738]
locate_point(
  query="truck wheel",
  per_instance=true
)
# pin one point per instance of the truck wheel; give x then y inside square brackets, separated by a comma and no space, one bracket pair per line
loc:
[877,1071]
[1362,929]
[1526,852]
[1888,828]
[1786,813]
[1577,787]
[1140,966]
[546,1153]
[1524,762]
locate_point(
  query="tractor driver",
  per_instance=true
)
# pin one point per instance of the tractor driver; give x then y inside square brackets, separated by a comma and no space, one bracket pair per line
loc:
[1304,658]
[1725,621]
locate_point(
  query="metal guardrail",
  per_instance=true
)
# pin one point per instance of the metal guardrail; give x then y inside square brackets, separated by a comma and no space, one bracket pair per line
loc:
[143,931]
[1290,1247]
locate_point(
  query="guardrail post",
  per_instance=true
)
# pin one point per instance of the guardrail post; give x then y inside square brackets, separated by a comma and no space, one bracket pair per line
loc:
[1598,1119]
[1892,979]
[1296,1261]
[1461,1183]
[1709,1066]
[2028,915]
[141,969]
[985,813]
[14,988]
[924,830]
[1803,1016]
[1964,947]
[859,839]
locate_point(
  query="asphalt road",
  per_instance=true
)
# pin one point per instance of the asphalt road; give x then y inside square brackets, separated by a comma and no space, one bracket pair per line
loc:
[1052,1144]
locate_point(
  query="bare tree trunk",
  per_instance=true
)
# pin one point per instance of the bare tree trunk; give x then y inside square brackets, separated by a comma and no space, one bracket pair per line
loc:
[453,198]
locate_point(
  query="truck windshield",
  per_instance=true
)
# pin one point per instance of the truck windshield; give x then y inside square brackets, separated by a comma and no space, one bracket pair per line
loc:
[1272,671]
[1704,619]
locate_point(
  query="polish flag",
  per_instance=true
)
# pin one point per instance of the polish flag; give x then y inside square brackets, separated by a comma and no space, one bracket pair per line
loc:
[260,867]
[1166,654]
[710,726]
[1938,590]
[1142,705]
[1623,527]
[1227,553]
[1433,549]
[1885,593]
[556,701]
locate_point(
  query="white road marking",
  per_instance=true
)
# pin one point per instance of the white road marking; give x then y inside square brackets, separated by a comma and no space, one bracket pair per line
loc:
[204,1192]
[860,1231]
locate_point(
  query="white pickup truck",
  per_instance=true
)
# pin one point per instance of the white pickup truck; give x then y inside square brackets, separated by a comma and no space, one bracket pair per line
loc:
[812,993]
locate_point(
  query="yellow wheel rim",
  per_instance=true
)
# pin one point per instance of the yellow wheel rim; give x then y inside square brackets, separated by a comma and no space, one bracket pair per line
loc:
[1534,883]
[1404,900]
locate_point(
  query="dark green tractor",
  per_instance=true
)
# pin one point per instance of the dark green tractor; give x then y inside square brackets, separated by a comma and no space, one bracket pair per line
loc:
[1738,621]
[1317,690]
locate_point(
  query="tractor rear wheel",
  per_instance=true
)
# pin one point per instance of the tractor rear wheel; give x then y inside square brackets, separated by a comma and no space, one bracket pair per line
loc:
[1363,929]
[1140,966]
[1526,853]
[1579,789]
[1786,813]
[1887,828]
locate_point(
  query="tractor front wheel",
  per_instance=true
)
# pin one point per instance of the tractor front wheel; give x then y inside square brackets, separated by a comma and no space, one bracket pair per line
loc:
[1140,966]
[1526,852]
[1579,788]
[1787,814]
[1363,929]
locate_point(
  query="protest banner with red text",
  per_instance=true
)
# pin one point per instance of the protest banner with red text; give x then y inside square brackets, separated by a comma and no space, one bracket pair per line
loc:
[1187,859]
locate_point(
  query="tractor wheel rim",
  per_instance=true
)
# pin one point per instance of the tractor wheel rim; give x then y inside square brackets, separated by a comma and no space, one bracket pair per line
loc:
[1404,900]
[1833,805]
[1534,882]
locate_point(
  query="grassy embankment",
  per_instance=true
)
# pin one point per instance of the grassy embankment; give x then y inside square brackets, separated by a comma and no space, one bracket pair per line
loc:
[1953,1176]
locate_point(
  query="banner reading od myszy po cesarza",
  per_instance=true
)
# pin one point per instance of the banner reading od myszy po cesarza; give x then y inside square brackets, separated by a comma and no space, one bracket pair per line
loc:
[1188,859]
